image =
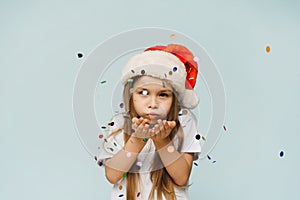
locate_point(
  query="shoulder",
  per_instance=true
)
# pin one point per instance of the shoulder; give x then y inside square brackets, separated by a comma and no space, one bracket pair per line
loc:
[187,118]
[117,122]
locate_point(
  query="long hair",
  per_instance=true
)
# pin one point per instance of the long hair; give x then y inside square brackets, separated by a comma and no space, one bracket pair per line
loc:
[162,182]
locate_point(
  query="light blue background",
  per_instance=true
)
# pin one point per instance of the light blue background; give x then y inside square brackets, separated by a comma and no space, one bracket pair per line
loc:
[41,154]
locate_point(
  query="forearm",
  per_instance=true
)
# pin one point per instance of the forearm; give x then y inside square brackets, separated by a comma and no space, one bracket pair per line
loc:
[121,162]
[178,165]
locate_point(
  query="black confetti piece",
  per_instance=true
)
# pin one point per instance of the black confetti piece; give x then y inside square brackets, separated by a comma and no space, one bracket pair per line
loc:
[95,157]
[132,71]
[196,164]
[103,127]
[209,158]
[121,195]
[174,69]
[111,149]
[100,163]
[115,144]
[198,136]
[79,55]
[105,140]
[111,123]
[143,72]
[138,194]
[214,161]
[102,82]
[281,154]
[224,127]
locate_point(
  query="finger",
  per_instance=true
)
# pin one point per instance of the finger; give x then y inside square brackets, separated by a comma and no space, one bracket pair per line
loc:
[171,124]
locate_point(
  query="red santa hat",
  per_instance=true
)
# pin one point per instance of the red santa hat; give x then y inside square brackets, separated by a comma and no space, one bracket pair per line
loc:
[174,63]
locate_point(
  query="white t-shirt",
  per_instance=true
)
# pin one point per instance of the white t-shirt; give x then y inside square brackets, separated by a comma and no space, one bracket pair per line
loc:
[113,144]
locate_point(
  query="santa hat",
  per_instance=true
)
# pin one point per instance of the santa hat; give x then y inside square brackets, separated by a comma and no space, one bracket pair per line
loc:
[174,63]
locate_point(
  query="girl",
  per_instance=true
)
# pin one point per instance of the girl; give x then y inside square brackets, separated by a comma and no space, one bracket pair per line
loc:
[150,149]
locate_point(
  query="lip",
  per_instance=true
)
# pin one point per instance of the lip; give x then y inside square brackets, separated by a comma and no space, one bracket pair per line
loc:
[152,115]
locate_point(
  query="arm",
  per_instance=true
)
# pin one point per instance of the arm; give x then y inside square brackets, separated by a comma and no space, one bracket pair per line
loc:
[178,165]
[121,163]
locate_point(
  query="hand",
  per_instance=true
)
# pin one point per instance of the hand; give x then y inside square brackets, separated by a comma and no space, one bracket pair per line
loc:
[161,132]
[140,127]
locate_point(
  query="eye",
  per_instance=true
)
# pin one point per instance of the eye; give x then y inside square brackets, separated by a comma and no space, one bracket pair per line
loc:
[164,94]
[144,92]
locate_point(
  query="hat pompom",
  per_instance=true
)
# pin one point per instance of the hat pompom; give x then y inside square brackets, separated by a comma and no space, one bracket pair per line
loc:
[190,99]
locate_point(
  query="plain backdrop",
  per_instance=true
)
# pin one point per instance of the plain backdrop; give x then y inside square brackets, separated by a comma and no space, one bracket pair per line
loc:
[41,154]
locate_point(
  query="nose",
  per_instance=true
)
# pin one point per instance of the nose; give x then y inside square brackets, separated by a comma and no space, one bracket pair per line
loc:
[152,102]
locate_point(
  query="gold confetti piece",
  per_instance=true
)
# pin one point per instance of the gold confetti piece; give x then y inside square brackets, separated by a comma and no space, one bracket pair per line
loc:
[203,138]
[268,49]
[172,36]
[120,187]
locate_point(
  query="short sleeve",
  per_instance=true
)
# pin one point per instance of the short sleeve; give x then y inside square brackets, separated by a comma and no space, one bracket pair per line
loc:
[191,142]
[112,144]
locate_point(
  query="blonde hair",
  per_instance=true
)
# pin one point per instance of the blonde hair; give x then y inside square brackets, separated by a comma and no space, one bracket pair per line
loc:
[162,182]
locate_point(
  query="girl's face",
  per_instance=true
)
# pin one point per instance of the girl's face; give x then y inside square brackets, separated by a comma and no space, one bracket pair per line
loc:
[152,98]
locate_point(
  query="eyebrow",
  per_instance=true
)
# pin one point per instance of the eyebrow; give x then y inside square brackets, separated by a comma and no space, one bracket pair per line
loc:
[165,90]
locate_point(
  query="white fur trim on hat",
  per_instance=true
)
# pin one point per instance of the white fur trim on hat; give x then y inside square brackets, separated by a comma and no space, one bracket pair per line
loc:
[163,65]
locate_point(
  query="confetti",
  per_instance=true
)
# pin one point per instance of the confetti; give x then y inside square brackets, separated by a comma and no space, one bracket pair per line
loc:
[139,163]
[111,123]
[124,175]
[121,105]
[214,161]
[115,144]
[128,154]
[101,136]
[120,187]
[196,164]
[80,55]
[138,194]
[95,157]
[203,138]
[130,81]
[184,112]
[103,127]
[143,72]
[268,49]
[145,139]
[100,163]
[281,154]
[224,127]
[102,82]
[198,137]
[105,140]
[209,158]
[196,59]
[132,71]
[170,72]
[172,36]
[121,195]
[111,149]
[180,114]
[170,149]
[174,69]
[165,75]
